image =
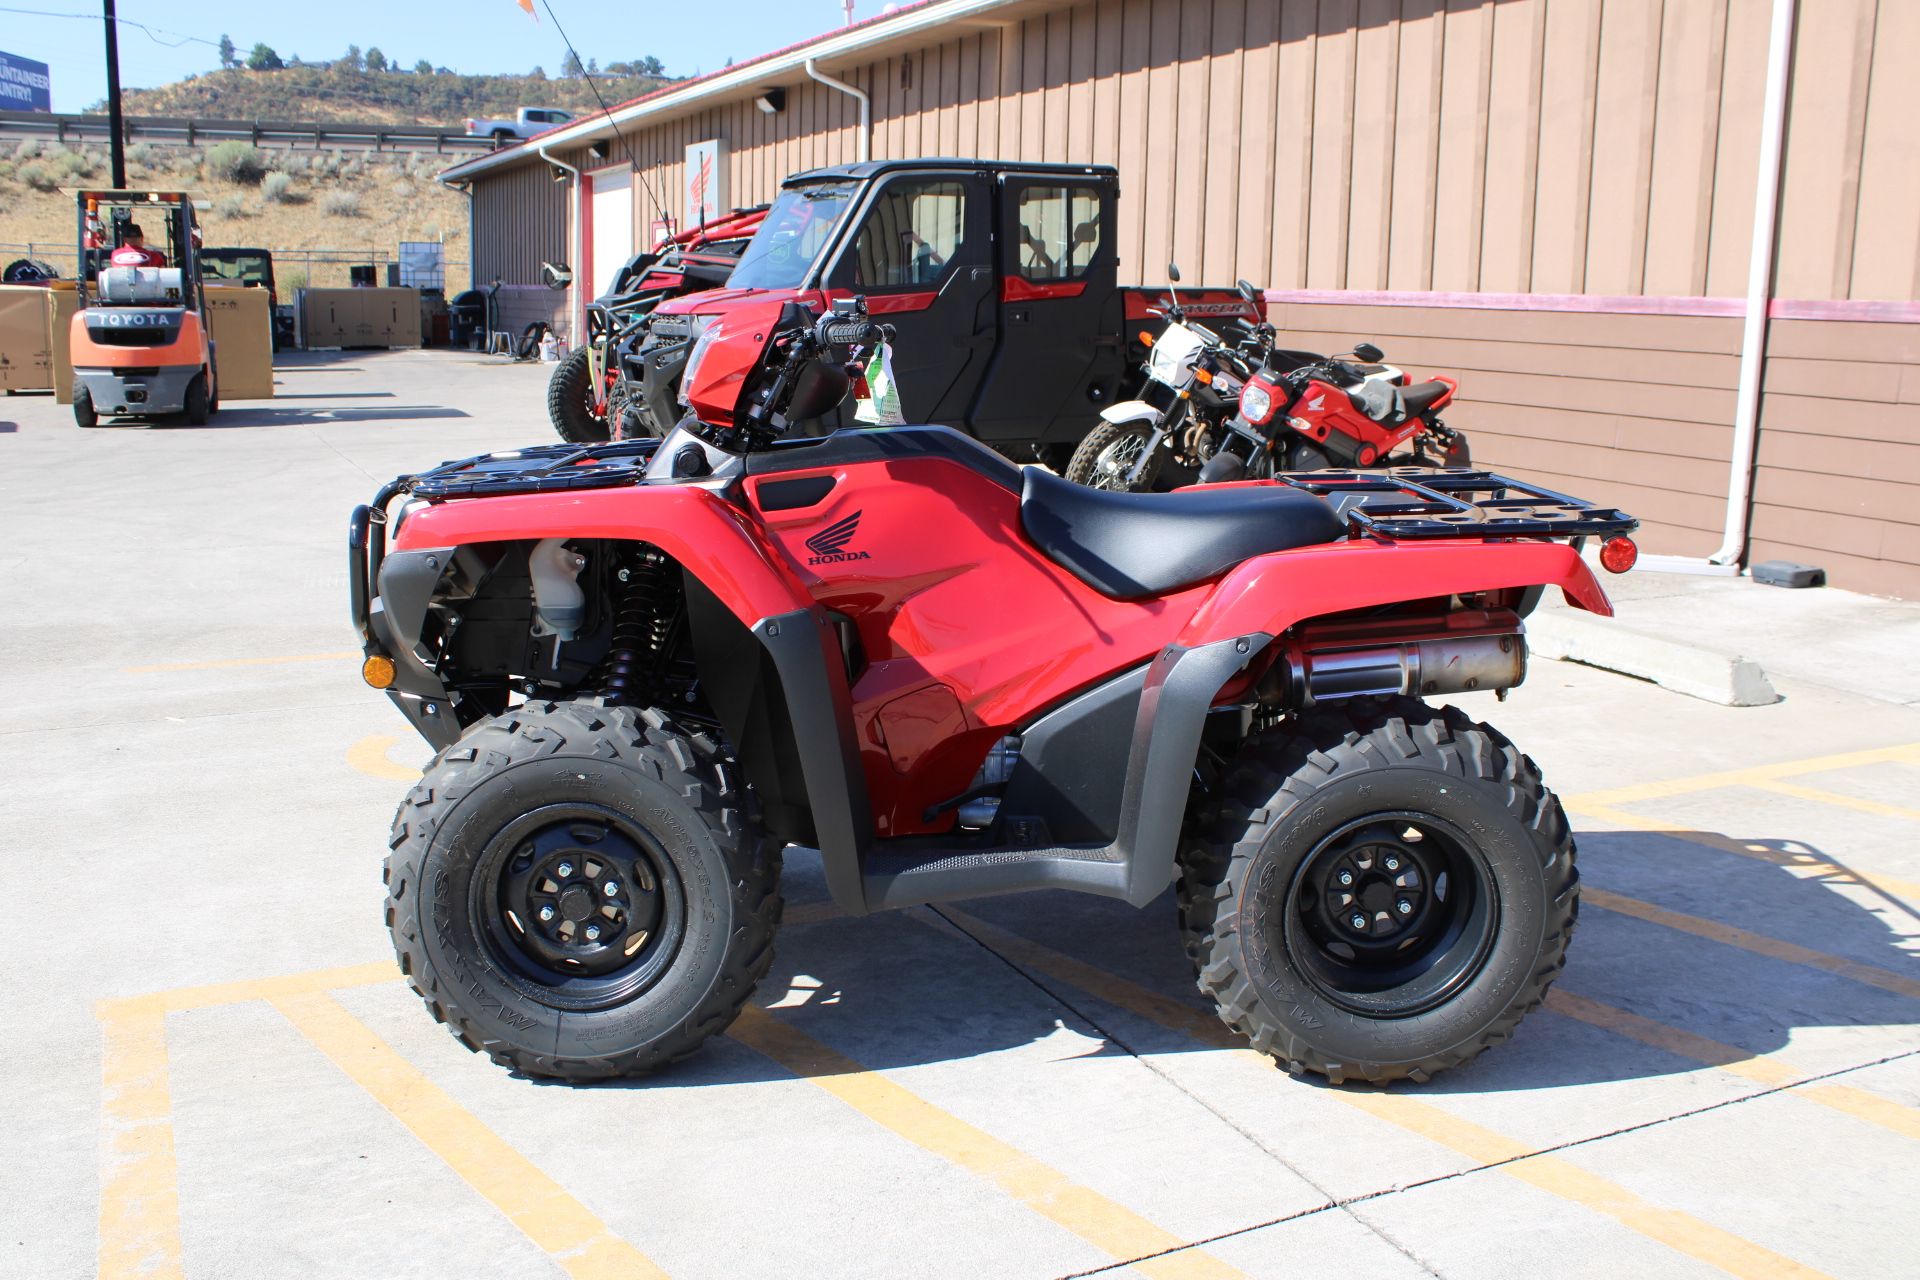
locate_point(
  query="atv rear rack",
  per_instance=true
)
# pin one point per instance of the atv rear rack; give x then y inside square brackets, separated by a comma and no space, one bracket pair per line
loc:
[1456,502]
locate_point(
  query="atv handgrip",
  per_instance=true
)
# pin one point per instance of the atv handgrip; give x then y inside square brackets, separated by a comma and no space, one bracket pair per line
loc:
[848,333]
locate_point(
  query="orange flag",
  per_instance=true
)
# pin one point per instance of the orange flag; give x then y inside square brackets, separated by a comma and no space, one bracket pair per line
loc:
[528,6]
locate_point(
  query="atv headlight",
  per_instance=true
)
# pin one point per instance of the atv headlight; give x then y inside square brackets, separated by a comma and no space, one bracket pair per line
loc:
[1256,403]
[707,331]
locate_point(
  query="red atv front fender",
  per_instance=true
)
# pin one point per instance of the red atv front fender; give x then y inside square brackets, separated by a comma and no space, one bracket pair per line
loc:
[712,540]
[1272,593]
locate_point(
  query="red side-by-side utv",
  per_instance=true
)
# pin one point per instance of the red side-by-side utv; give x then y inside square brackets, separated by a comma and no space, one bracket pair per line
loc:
[653,668]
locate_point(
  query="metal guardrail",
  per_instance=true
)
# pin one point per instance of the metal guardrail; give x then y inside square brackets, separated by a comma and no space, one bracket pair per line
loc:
[292,268]
[185,132]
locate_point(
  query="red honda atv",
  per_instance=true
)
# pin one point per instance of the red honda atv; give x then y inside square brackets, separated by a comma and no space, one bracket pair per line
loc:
[651,666]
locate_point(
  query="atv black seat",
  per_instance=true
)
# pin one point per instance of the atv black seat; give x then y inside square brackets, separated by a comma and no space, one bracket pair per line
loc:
[1131,545]
[1422,395]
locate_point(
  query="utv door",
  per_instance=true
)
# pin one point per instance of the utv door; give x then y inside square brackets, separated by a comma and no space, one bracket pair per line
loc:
[1059,358]
[923,258]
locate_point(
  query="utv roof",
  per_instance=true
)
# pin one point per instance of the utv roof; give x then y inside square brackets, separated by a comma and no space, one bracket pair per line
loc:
[870,168]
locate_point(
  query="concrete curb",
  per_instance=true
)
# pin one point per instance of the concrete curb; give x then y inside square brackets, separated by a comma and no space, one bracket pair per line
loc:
[1571,636]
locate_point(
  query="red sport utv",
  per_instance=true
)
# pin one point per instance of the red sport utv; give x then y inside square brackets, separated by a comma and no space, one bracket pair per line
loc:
[650,666]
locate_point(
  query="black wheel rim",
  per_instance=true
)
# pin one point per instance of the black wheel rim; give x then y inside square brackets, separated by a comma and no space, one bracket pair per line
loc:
[1391,915]
[579,905]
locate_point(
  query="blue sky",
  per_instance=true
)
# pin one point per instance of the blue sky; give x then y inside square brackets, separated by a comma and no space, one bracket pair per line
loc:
[469,35]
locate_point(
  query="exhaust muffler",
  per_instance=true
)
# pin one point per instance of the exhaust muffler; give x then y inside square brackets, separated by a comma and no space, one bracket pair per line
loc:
[1462,654]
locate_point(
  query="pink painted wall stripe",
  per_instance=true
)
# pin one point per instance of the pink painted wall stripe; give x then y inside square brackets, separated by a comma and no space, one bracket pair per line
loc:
[1780,309]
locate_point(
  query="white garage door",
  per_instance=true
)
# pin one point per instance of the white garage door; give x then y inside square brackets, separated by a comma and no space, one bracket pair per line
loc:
[612,226]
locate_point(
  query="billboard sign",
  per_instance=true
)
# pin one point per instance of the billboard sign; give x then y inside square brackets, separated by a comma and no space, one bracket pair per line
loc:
[25,84]
[706,181]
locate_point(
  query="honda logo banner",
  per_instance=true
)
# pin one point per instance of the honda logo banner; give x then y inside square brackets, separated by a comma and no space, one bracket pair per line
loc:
[706,181]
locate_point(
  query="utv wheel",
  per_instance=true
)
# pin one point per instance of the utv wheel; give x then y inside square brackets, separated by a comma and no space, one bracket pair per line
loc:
[1379,893]
[83,410]
[198,405]
[578,891]
[570,401]
[1108,453]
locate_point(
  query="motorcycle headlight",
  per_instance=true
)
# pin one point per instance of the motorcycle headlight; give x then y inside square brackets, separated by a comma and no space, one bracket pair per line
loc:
[1256,403]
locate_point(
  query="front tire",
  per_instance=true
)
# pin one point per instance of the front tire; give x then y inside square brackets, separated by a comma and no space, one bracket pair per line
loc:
[1379,893]
[579,892]
[570,401]
[1108,454]
[198,402]
[84,414]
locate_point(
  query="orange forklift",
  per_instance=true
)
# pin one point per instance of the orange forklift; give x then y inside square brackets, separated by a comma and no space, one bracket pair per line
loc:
[142,345]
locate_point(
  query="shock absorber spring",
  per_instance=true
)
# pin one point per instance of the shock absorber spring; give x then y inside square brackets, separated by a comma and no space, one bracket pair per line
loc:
[643,611]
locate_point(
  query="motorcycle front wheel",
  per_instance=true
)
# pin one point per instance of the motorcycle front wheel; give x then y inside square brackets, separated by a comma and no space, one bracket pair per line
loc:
[1107,457]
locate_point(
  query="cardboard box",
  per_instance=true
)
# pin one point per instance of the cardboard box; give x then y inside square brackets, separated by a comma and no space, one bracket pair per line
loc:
[63,299]
[359,317]
[26,352]
[242,331]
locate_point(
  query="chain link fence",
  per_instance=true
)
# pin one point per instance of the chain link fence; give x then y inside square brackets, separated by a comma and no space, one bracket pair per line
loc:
[410,263]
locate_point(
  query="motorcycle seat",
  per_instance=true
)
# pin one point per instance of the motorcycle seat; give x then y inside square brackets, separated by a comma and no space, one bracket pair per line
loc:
[1133,545]
[1422,396]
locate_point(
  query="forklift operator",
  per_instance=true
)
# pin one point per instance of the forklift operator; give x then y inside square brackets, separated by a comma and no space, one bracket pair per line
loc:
[133,251]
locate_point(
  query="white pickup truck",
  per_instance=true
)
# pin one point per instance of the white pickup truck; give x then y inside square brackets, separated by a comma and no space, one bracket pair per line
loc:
[525,123]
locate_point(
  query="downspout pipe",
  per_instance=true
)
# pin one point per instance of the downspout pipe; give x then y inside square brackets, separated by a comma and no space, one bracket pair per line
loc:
[576,304]
[866,105]
[1753,338]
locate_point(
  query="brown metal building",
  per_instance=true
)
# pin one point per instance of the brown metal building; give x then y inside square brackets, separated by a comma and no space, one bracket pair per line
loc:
[1555,200]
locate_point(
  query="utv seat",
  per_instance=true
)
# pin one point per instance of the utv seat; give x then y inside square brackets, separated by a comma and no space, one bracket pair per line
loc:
[1133,545]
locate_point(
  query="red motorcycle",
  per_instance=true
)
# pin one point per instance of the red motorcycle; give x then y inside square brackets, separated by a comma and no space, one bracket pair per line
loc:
[1334,411]
[651,666]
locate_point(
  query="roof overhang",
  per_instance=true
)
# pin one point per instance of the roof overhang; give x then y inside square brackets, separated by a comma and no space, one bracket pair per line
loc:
[907,28]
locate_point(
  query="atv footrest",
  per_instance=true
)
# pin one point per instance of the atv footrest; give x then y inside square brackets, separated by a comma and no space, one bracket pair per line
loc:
[925,873]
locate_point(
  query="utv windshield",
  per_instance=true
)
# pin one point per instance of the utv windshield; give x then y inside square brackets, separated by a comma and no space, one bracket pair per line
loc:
[229,264]
[795,232]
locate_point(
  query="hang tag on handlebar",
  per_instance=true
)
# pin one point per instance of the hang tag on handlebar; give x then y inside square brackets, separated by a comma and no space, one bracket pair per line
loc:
[881,408]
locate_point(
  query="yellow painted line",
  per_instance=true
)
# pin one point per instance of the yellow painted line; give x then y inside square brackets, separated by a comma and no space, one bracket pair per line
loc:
[1806,866]
[226,663]
[570,1234]
[1758,944]
[1112,1228]
[369,756]
[1838,800]
[1677,1230]
[207,997]
[1766,1069]
[139,1190]
[1909,753]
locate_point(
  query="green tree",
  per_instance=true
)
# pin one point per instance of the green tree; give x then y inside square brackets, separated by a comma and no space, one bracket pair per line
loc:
[350,60]
[593,67]
[423,68]
[651,66]
[570,66]
[229,56]
[263,58]
[375,60]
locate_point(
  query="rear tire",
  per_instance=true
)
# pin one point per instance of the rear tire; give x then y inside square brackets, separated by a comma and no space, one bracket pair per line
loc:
[83,410]
[198,403]
[570,401]
[577,796]
[1460,891]
[1108,453]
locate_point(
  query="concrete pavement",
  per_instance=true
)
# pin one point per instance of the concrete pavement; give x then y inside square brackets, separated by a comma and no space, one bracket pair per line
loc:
[215,1071]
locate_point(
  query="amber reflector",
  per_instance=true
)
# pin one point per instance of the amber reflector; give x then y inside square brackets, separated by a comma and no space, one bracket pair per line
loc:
[377,671]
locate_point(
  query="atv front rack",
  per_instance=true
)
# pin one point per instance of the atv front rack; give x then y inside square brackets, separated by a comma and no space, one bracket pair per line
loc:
[541,469]
[1456,502]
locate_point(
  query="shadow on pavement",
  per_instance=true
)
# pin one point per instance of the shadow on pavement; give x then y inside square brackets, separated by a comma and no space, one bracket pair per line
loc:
[890,991]
[230,418]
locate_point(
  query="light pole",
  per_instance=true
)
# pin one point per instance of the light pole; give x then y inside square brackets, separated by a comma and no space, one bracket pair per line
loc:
[118,143]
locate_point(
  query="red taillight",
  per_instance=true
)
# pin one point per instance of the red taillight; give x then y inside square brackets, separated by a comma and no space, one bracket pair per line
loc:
[1617,555]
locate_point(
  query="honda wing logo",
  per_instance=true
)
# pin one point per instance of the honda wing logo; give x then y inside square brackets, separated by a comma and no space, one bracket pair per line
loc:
[829,546]
[1316,403]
